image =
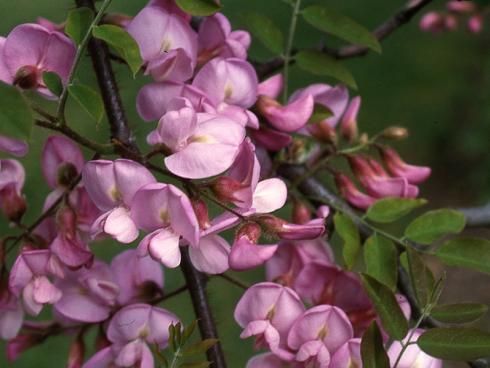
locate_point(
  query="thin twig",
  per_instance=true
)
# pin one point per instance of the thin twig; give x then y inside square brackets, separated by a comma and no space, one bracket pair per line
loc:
[234,281]
[477,216]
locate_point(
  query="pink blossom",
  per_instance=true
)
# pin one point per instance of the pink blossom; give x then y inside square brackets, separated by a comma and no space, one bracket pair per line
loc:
[89,294]
[201,145]
[348,355]
[398,168]
[29,279]
[316,345]
[230,80]
[432,22]
[269,360]
[12,146]
[475,23]
[460,6]
[30,50]
[412,356]
[271,87]
[167,43]
[268,311]
[112,186]
[215,38]
[11,315]
[348,125]
[61,161]
[12,177]
[167,213]
[211,255]
[351,194]
[270,139]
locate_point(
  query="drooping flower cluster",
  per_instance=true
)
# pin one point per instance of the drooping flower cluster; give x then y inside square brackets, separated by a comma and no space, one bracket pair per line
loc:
[457,12]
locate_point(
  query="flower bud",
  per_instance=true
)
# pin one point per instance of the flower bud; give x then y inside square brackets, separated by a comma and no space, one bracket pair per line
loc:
[201,210]
[13,204]
[66,220]
[76,353]
[26,77]
[475,23]
[460,6]
[225,187]
[323,132]
[301,213]
[251,230]
[348,125]
[450,22]
[395,133]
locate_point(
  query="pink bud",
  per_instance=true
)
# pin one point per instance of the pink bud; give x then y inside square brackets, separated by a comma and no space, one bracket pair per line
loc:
[323,132]
[398,168]
[475,23]
[225,188]
[351,194]
[201,210]
[250,230]
[348,125]
[76,353]
[450,22]
[432,22]
[13,205]
[459,6]
[301,213]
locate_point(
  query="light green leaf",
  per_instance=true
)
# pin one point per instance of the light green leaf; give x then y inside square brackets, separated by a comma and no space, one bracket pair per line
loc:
[319,63]
[387,210]
[89,99]
[455,343]
[199,347]
[433,224]
[467,252]
[421,277]
[78,23]
[329,20]
[53,83]
[15,114]
[459,313]
[347,230]
[380,257]
[122,42]
[387,307]
[265,30]
[373,353]
[200,8]
[188,331]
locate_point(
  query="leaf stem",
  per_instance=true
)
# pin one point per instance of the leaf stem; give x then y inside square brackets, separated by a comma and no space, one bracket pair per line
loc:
[289,47]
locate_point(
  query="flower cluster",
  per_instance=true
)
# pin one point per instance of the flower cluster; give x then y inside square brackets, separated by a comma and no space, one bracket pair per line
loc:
[457,11]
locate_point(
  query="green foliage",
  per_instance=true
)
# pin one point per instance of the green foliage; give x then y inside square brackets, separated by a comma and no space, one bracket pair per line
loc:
[53,83]
[266,31]
[373,353]
[380,257]
[386,306]
[347,230]
[421,277]
[467,252]
[319,63]
[122,42]
[388,210]
[433,224]
[200,8]
[89,99]
[459,313]
[15,114]
[78,23]
[331,21]
[455,343]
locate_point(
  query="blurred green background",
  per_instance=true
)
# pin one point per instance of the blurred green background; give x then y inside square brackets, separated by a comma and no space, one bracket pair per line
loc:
[436,86]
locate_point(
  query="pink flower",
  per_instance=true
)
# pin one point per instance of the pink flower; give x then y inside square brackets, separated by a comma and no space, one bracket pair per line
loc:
[245,253]
[270,139]
[348,355]
[211,255]
[89,294]
[475,23]
[10,145]
[202,145]
[460,6]
[139,278]
[271,87]
[30,50]
[292,256]
[12,177]
[231,80]
[29,279]
[289,231]
[348,125]
[398,168]
[432,22]
[166,212]
[268,311]
[11,315]
[269,360]
[215,38]
[167,43]
[412,355]
[61,161]
[316,345]
[112,185]
[351,194]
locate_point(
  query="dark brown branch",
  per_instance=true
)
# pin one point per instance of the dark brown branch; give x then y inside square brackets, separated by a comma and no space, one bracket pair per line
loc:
[196,283]
[398,19]
[477,216]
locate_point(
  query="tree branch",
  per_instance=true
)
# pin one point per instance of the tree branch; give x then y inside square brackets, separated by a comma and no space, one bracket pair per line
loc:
[477,216]
[398,19]
[196,283]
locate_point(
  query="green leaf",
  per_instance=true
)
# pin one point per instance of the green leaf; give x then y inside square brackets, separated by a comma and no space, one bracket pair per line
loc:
[421,277]
[188,331]
[347,230]
[329,20]
[319,63]
[178,334]
[391,209]
[200,8]
[459,313]
[122,42]
[387,307]
[266,31]
[15,113]
[380,257]
[199,347]
[195,365]
[320,113]
[171,337]
[433,224]
[78,23]
[53,83]
[455,343]
[373,353]
[467,252]
[89,99]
